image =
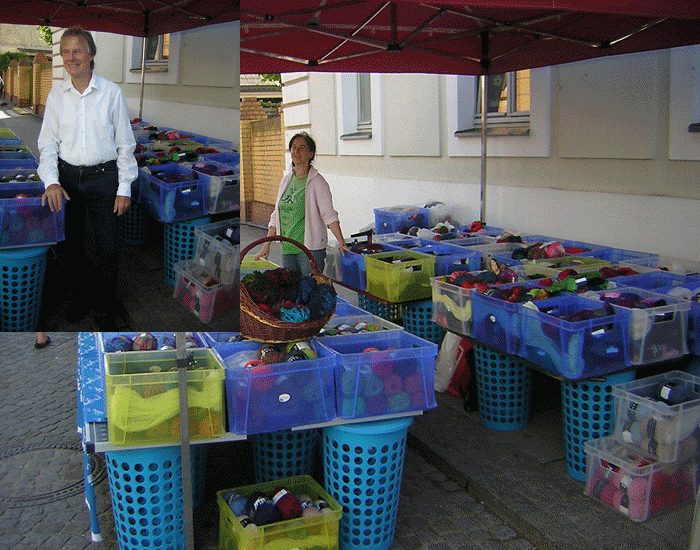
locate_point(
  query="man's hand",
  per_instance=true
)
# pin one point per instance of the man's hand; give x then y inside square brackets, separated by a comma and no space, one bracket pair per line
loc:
[54,195]
[121,204]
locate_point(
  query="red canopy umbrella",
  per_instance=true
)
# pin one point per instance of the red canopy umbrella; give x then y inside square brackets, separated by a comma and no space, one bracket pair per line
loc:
[477,37]
[129,17]
[454,36]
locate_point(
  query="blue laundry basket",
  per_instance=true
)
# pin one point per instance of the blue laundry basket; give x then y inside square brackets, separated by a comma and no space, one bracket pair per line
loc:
[282,454]
[363,466]
[22,273]
[504,389]
[390,312]
[146,490]
[133,225]
[588,412]
[418,320]
[180,243]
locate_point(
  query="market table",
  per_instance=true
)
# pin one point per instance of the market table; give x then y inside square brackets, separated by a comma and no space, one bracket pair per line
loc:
[92,420]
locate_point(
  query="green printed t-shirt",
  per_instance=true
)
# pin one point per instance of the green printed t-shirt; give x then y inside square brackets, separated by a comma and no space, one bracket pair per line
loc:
[292,213]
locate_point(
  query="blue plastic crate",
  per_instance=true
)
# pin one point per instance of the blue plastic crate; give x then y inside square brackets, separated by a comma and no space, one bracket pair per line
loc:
[6,140]
[574,349]
[214,339]
[267,398]
[496,322]
[400,218]
[16,155]
[381,373]
[18,164]
[24,221]
[173,202]
[449,258]
[232,158]
[353,268]
[343,308]
[654,280]
[618,255]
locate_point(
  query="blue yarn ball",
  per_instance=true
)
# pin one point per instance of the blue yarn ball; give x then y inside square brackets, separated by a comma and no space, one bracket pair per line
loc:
[119,343]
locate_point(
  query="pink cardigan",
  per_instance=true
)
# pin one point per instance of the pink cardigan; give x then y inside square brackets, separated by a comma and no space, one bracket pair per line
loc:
[319,211]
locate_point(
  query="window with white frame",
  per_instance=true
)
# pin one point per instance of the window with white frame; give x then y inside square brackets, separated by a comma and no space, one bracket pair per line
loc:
[507,104]
[157,53]
[357,106]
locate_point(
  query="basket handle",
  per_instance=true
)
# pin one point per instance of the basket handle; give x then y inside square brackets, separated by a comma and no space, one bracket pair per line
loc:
[280,238]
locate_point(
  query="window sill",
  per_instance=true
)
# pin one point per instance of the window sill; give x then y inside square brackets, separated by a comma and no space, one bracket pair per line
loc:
[500,130]
[151,69]
[356,135]
[694,128]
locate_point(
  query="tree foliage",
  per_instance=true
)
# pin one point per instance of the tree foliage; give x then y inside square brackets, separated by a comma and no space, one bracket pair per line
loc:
[45,34]
[7,57]
[271,78]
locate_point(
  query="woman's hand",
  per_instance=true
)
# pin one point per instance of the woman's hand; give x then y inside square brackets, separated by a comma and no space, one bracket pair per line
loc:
[343,248]
[264,253]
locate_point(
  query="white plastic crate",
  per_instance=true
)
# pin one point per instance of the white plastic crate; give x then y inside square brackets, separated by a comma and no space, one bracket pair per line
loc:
[634,485]
[205,296]
[659,415]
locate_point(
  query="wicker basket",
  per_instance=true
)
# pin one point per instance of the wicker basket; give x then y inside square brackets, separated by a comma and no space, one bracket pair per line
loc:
[259,326]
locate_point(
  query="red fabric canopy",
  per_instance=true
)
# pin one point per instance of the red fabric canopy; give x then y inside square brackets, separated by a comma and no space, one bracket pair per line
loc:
[454,36]
[128,17]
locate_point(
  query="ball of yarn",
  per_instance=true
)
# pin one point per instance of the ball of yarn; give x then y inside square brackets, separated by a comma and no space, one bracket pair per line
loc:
[261,510]
[145,341]
[287,504]
[119,343]
[270,354]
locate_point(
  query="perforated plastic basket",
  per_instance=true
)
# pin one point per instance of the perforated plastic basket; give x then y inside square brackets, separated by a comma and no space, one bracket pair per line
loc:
[180,244]
[285,453]
[21,283]
[418,320]
[588,411]
[363,466]
[504,386]
[146,490]
[133,226]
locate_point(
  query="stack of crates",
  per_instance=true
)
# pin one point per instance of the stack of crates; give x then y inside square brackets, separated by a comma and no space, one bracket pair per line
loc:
[649,465]
[207,284]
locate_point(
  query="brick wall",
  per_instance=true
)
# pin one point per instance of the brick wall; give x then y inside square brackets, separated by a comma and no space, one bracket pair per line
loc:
[42,82]
[262,166]
[11,81]
[24,83]
[251,109]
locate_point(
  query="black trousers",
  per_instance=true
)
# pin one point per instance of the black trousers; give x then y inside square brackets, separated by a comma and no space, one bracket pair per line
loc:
[92,239]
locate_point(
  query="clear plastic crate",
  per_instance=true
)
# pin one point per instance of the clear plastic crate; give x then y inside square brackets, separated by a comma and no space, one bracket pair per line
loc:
[219,256]
[24,221]
[690,290]
[667,263]
[232,158]
[173,201]
[319,532]
[201,293]
[621,256]
[659,415]
[655,333]
[223,191]
[574,349]
[399,276]
[449,258]
[268,398]
[634,485]
[380,373]
[142,396]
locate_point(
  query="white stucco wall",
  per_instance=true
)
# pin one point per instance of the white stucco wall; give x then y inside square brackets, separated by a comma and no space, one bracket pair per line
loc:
[199,93]
[608,160]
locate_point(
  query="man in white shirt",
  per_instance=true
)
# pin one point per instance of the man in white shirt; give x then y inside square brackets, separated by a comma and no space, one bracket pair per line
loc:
[86,150]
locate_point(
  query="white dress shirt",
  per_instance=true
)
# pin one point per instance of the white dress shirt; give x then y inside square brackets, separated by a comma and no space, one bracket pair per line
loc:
[87,129]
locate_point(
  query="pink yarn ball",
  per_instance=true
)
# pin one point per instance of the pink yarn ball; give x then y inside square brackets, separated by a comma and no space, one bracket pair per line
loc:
[636,487]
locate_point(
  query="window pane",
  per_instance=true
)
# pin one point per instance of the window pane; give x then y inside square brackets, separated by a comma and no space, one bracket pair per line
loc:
[151,48]
[166,47]
[364,105]
[522,90]
[497,94]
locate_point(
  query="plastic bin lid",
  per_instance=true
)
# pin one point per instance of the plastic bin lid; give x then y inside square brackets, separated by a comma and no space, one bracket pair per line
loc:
[25,252]
[377,426]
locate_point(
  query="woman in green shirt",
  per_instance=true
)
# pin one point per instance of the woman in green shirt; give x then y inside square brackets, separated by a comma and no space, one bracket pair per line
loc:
[304,210]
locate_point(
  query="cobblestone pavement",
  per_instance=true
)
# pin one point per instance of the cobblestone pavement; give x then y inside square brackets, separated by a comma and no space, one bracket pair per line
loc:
[41,479]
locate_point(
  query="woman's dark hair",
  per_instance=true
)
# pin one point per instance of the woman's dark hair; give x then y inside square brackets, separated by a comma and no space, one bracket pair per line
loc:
[310,143]
[77,31]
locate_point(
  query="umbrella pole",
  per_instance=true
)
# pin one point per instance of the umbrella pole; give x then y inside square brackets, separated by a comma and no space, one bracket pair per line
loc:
[483,82]
[182,363]
[143,76]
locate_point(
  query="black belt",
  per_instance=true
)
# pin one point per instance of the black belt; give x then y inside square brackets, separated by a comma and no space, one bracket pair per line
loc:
[87,170]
